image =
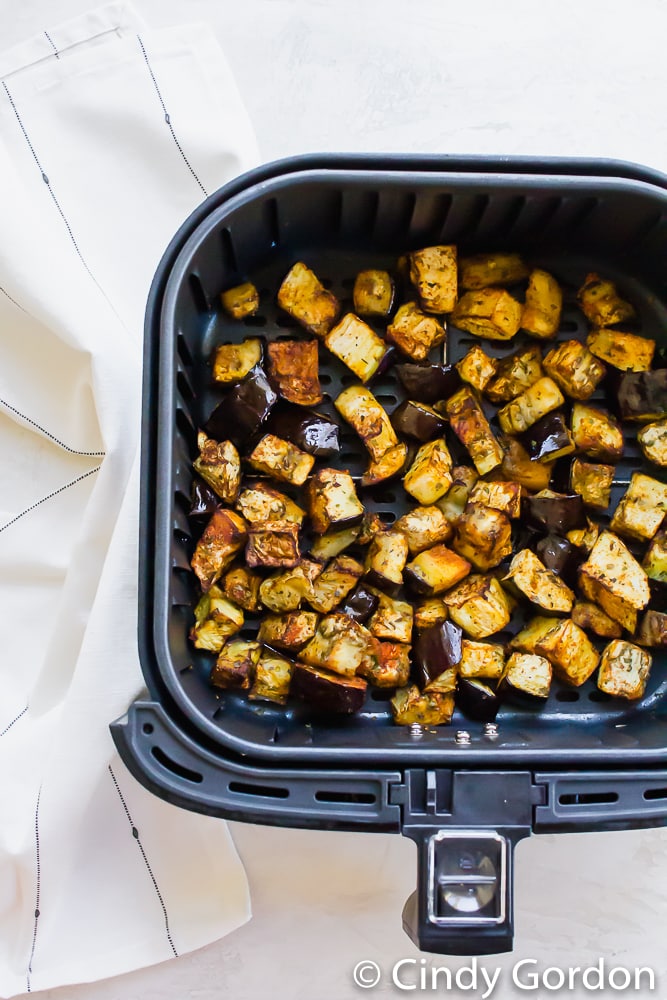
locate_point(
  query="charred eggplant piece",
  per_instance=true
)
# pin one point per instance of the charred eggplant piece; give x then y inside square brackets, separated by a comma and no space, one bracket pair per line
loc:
[430,612]
[305,298]
[423,527]
[559,556]
[596,433]
[502,496]
[625,351]
[486,269]
[360,604]
[393,619]
[433,272]
[243,410]
[391,464]
[373,294]
[653,630]
[232,362]
[642,508]
[477,368]
[642,396]
[287,590]
[334,582]
[533,404]
[359,407]
[203,501]
[529,578]
[624,670]
[326,692]
[417,420]
[333,501]
[574,369]
[480,606]
[548,439]
[426,383]
[554,512]
[589,616]
[290,631]
[489,312]
[242,587]
[385,560]
[216,619]
[273,544]
[436,649]
[569,651]
[653,442]
[544,300]
[261,502]
[219,465]
[294,370]
[236,663]
[471,427]
[222,538]
[387,665]
[409,705]
[310,431]
[483,536]
[592,482]
[358,346]
[339,645]
[436,570]
[240,301]
[527,678]
[273,674]
[612,578]
[601,303]
[415,332]
[515,374]
[477,700]
[281,460]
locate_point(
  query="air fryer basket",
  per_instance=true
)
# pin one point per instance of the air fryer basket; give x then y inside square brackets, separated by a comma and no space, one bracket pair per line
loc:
[584,761]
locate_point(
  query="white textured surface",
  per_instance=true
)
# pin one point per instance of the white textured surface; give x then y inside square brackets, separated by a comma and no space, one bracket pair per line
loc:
[513,77]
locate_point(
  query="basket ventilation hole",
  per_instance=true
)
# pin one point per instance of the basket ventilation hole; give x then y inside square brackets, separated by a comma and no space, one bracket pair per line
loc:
[198,294]
[567,696]
[255,321]
[568,326]
[596,695]
[347,283]
[655,793]
[173,765]
[587,798]
[325,379]
[184,351]
[228,252]
[147,728]
[262,791]
[362,798]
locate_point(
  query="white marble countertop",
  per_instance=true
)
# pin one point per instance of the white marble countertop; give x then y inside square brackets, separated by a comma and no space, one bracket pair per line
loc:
[555,77]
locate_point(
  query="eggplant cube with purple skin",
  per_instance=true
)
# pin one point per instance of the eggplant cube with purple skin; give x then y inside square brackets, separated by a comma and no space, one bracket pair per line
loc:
[339,645]
[570,652]
[624,670]
[222,538]
[526,675]
[262,502]
[243,410]
[241,586]
[333,501]
[433,272]
[574,369]
[544,300]
[653,629]
[533,404]
[483,536]
[642,396]
[235,666]
[436,570]
[514,374]
[274,544]
[480,606]
[549,438]
[386,664]
[216,619]
[273,674]
[423,527]
[305,298]
[219,465]
[385,560]
[429,476]
[290,631]
[471,427]
[540,586]
[357,345]
[359,407]
[334,583]
[592,482]
[328,692]
[438,650]
[373,294]
[409,706]
[287,590]
[294,369]
[481,660]
[281,460]
[477,368]
[392,620]
[612,578]
[642,508]
[414,332]
[360,604]
[232,362]
[417,420]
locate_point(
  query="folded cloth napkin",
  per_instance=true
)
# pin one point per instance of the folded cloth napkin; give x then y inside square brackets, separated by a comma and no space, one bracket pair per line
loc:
[110,134]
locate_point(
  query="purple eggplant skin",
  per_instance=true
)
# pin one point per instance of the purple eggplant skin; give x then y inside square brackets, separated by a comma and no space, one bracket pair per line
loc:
[547,437]
[325,692]
[311,431]
[477,700]
[558,514]
[638,396]
[653,629]
[414,419]
[436,649]
[428,383]
[560,556]
[243,410]
[203,501]
[360,605]
[387,361]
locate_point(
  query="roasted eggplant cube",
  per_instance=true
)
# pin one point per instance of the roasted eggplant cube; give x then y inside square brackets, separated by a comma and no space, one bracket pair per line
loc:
[221,539]
[533,404]
[332,543]
[584,538]
[624,670]
[436,570]
[483,536]
[240,301]
[544,300]
[410,706]
[455,499]
[655,560]
[625,351]
[273,674]
[433,273]
[386,665]
[333,501]
[589,616]
[281,460]
[473,431]
[242,587]
[437,649]
[244,409]
[334,583]
[327,692]
[385,560]
[429,476]
[359,407]
[235,666]
[490,312]
[601,303]
[570,652]
[540,586]
[417,420]
[532,634]
[427,383]
[216,619]
[304,297]
[642,508]
[481,659]
[203,501]
[392,620]
[232,362]
[273,544]
[339,645]
[358,346]
[391,464]
[414,332]
[514,374]
[642,396]
[574,369]
[373,294]
[653,629]
[612,578]
[518,466]
[480,606]
[487,269]
[423,527]
[219,465]
[371,523]
[477,700]
[286,591]
[527,676]
[592,482]
[502,496]
[360,604]
[559,555]
[477,368]
[554,512]
[430,612]
[549,438]
[262,502]
[596,433]
[653,442]
[290,632]
[307,429]
[294,370]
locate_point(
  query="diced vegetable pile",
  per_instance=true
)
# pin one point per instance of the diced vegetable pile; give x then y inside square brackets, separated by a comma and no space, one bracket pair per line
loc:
[424,605]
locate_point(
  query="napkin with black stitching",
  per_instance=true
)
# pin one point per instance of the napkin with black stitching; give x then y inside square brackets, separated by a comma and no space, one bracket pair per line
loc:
[110,134]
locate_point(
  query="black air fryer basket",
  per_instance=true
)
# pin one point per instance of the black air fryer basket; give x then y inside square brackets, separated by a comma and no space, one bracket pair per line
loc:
[465,795]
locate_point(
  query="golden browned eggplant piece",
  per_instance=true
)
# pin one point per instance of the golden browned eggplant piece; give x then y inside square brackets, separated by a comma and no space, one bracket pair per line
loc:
[612,578]
[414,332]
[480,606]
[473,430]
[455,499]
[518,466]
[409,706]
[357,346]
[515,373]
[527,640]
[477,368]
[273,674]
[429,476]
[589,616]
[655,560]
[286,591]
[219,465]
[539,585]
[653,629]
[436,570]
[216,619]
[534,403]
[232,362]
[641,509]
[222,538]
[596,433]
[273,544]
[332,543]
[486,269]
[294,370]
[504,496]
[574,369]
[526,675]
[433,273]
[653,442]
[386,665]
[334,583]
[385,560]
[339,645]
[625,351]
[290,631]
[281,460]
[430,612]
[490,312]
[359,407]
[624,670]
[393,619]
[483,536]
[235,666]
[544,300]
[242,587]
[240,301]
[262,502]
[304,297]
[569,651]
[391,464]
[584,538]
[333,500]
[592,482]
[601,303]
[373,294]
[423,527]
[481,659]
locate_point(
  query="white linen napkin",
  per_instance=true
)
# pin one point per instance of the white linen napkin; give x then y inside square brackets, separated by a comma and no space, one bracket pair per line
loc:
[110,134]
